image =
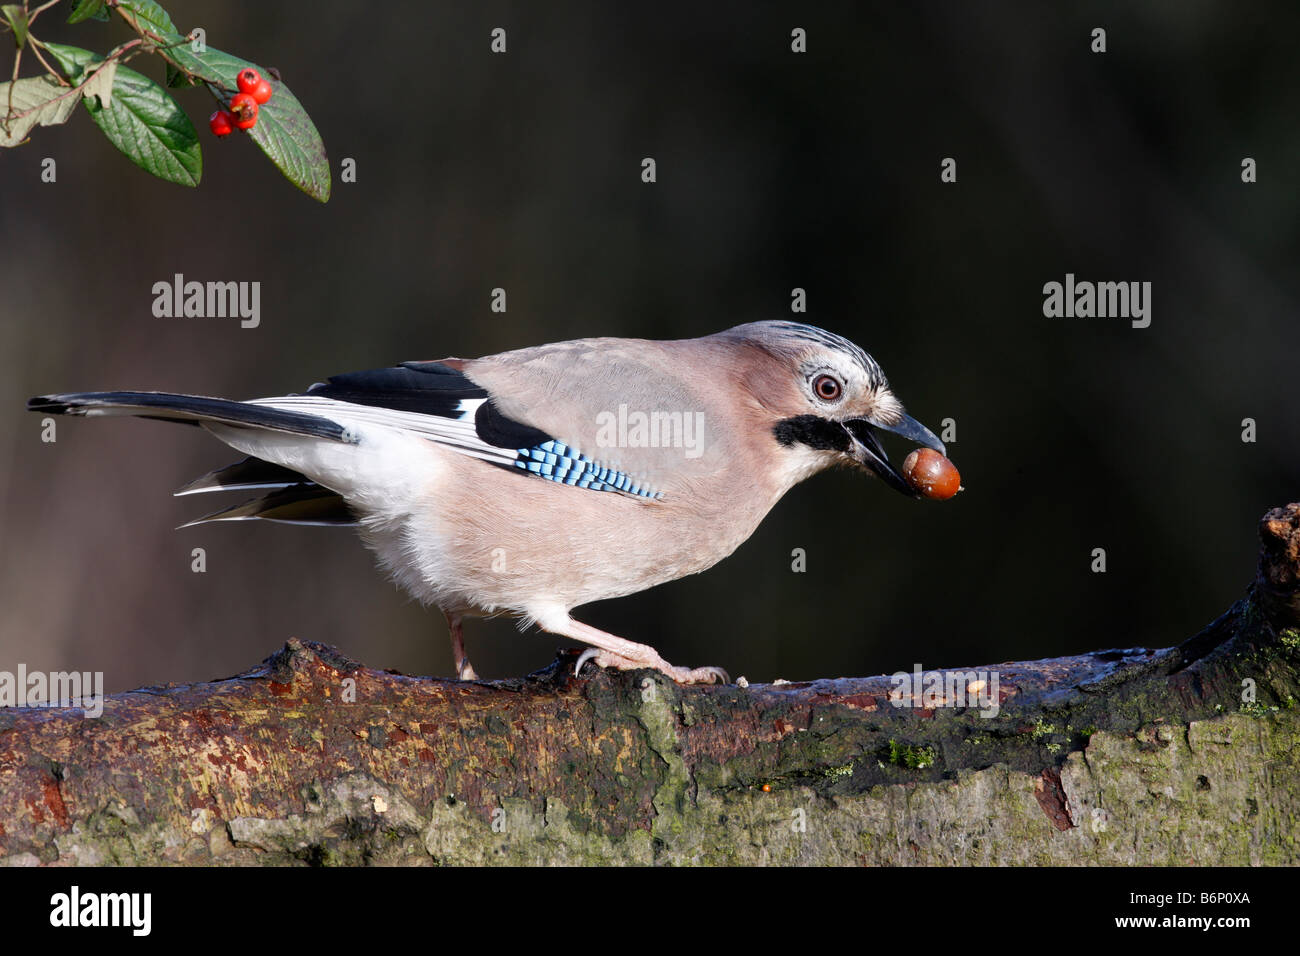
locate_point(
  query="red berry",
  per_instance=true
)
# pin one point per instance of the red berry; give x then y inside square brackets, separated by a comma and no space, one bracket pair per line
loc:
[244,109]
[931,475]
[254,84]
[248,79]
[262,92]
[222,123]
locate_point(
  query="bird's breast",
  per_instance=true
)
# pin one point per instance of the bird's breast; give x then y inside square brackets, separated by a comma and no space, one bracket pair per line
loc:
[489,538]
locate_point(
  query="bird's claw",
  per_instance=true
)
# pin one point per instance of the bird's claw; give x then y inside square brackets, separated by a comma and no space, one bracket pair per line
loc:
[465,671]
[682,675]
[585,656]
[701,675]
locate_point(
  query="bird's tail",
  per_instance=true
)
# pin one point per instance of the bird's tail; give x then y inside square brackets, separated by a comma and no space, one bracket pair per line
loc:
[193,409]
[290,496]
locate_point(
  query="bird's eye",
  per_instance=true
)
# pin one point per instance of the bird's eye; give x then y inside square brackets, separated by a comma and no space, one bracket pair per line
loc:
[827,388]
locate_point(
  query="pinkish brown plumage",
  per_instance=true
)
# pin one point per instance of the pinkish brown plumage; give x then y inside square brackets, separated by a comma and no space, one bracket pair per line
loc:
[534,481]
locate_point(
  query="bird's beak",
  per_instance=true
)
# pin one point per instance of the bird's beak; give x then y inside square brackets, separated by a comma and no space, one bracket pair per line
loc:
[865,447]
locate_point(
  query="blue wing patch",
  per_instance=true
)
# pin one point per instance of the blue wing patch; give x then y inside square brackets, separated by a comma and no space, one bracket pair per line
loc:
[556,461]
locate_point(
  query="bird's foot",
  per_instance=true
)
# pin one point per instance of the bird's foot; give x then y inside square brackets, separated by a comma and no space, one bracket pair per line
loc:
[682,675]
[464,670]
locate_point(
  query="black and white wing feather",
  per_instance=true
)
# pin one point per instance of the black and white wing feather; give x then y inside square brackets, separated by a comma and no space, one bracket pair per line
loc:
[444,405]
[430,400]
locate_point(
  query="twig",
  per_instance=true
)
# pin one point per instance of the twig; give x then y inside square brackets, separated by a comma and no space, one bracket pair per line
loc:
[36,48]
[9,107]
[76,90]
[31,17]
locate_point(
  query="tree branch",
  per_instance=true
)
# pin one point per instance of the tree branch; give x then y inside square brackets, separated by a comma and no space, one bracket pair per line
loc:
[1127,756]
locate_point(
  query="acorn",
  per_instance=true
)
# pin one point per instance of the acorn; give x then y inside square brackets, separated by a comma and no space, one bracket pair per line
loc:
[931,475]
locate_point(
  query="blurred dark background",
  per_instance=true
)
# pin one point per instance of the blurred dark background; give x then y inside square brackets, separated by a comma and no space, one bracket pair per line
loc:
[775,170]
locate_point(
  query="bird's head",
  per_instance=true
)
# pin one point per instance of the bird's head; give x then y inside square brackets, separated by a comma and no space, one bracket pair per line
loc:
[827,400]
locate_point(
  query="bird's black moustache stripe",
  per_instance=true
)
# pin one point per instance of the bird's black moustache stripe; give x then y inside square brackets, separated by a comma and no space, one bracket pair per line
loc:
[819,433]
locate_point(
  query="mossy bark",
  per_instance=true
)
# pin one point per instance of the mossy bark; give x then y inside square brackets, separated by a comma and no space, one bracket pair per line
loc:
[1184,755]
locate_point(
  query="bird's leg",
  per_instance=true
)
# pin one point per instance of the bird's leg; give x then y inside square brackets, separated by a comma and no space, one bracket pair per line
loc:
[464,670]
[611,651]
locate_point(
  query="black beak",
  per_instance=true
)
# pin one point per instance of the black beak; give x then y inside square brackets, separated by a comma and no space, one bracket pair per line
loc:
[865,447]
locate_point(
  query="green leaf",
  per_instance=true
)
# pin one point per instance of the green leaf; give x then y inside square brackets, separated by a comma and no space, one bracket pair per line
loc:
[37,101]
[88,10]
[149,126]
[289,138]
[145,15]
[143,121]
[180,54]
[72,60]
[284,131]
[17,17]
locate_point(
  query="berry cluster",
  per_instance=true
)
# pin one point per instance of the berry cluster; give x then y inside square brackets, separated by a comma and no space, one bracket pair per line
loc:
[254,90]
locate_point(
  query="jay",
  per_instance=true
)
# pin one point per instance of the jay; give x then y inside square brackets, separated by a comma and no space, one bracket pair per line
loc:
[534,481]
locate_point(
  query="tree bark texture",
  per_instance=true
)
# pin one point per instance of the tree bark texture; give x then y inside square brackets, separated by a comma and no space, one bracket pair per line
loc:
[1186,755]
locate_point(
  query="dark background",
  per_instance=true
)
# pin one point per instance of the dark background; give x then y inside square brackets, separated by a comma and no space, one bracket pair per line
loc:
[775,170]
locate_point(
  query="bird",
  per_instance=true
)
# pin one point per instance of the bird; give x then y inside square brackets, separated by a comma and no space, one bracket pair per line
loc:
[537,480]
